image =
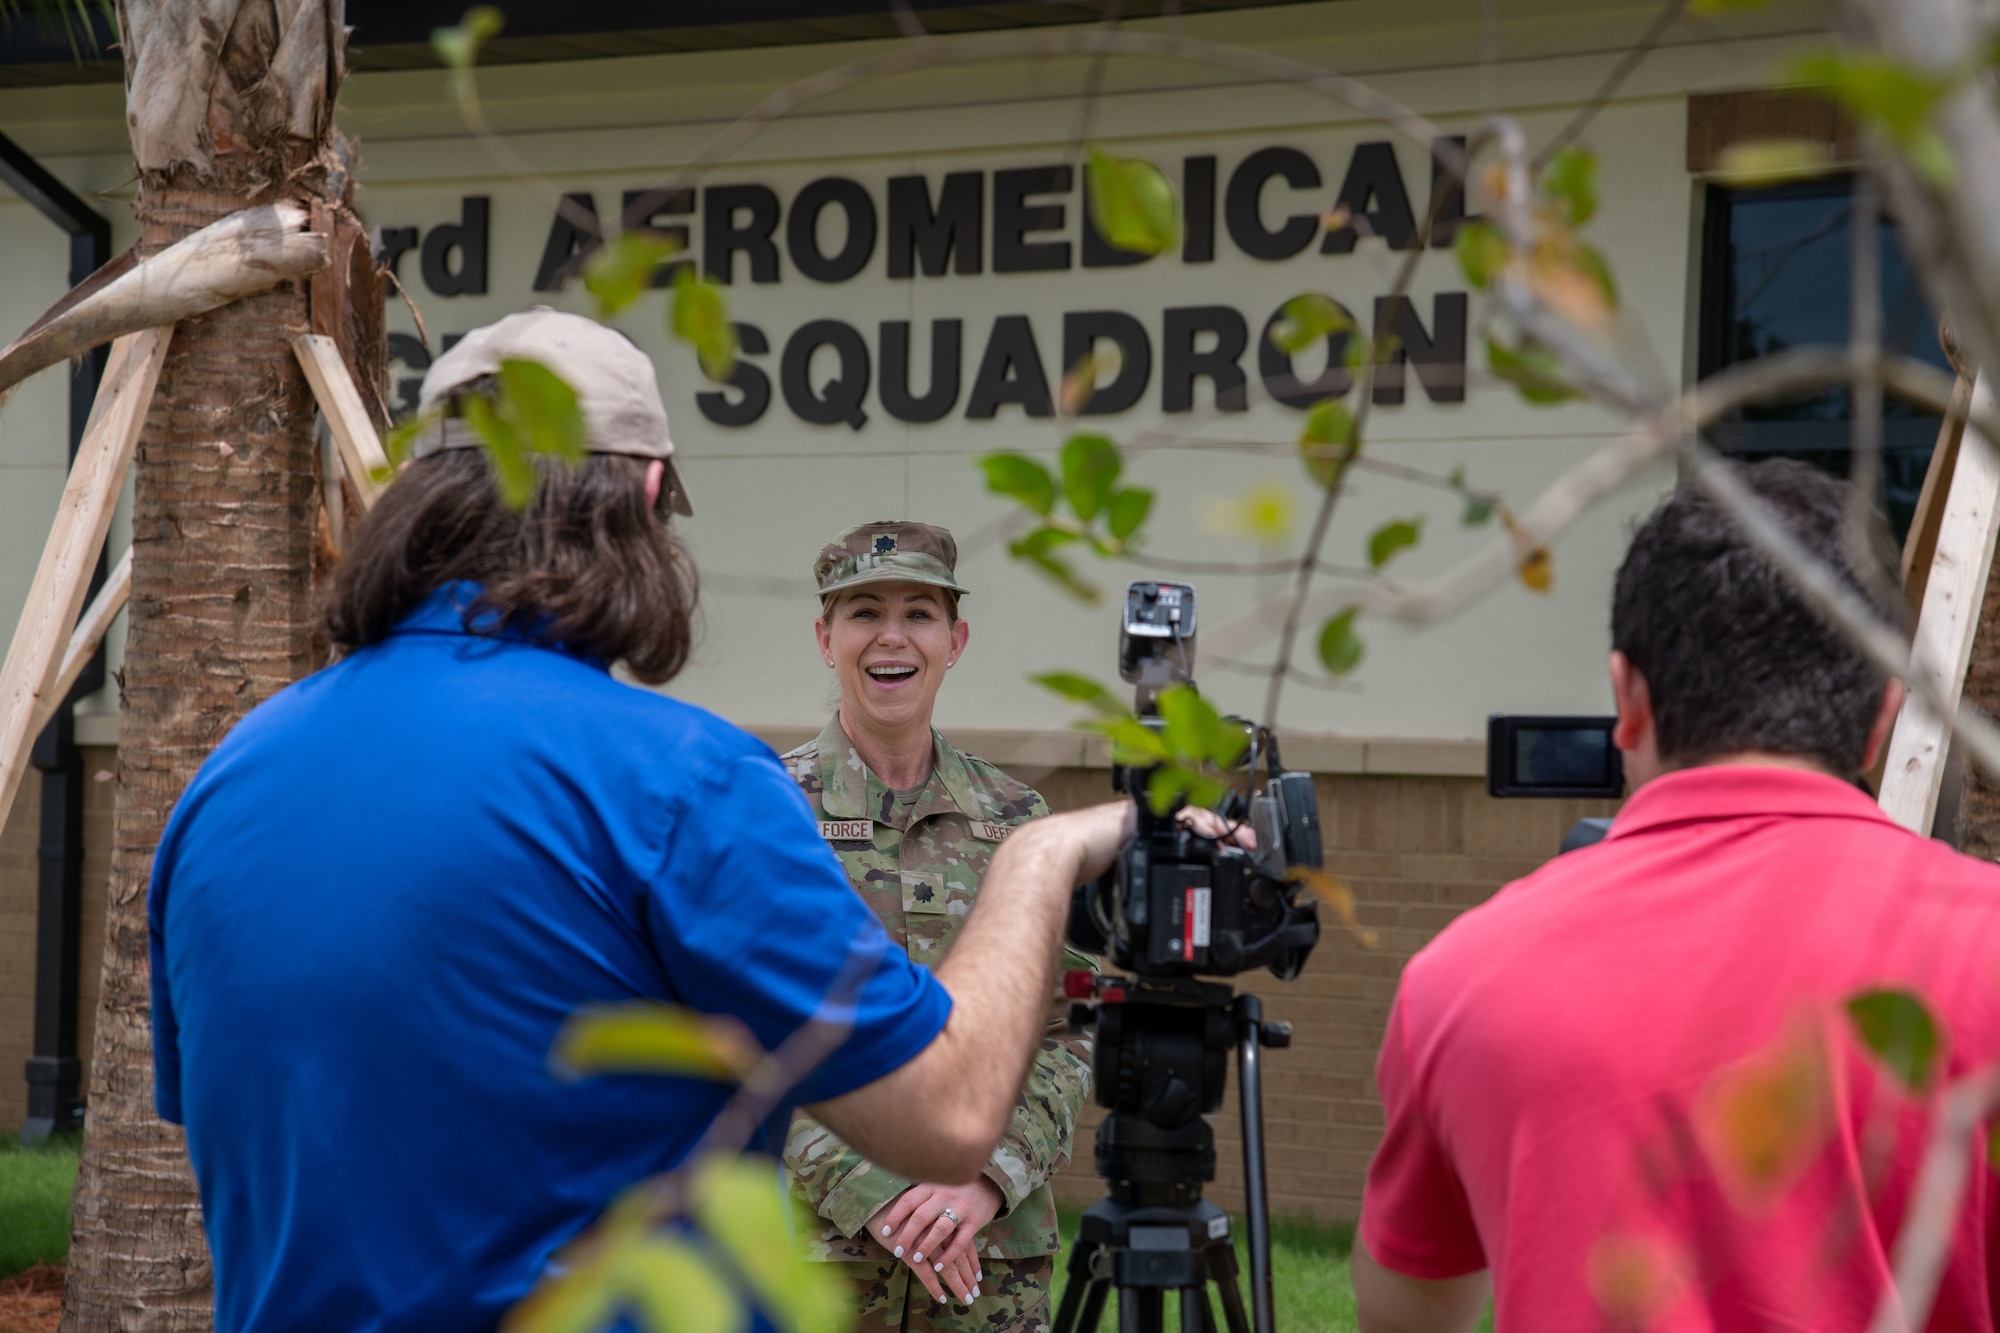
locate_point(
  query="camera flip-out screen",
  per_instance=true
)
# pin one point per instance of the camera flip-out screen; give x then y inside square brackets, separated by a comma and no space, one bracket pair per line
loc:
[1552,756]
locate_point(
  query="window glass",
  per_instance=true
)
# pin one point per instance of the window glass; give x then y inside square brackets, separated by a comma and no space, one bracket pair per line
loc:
[1777,275]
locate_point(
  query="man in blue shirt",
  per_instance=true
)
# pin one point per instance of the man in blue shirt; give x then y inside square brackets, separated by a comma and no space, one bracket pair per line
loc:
[390,886]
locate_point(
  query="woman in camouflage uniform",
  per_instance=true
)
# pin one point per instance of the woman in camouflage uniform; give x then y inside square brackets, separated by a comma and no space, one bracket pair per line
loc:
[915,823]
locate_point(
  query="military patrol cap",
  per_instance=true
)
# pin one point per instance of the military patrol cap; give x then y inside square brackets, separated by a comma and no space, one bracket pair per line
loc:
[616,388]
[888,552]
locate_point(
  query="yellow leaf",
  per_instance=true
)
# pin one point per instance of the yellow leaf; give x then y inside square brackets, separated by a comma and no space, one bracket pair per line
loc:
[1264,514]
[1772,162]
[1537,570]
[676,1289]
[1762,1121]
[1330,889]
[1634,1279]
[1083,379]
[582,1298]
[740,1204]
[1556,275]
[643,1037]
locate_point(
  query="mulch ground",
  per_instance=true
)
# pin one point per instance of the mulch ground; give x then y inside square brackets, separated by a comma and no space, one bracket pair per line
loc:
[31,1302]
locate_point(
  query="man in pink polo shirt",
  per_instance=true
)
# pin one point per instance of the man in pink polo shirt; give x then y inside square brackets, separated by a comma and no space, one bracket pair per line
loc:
[1626,1093]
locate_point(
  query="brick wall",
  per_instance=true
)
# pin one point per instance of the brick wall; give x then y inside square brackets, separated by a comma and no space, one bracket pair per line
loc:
[19,843]
[1416,852]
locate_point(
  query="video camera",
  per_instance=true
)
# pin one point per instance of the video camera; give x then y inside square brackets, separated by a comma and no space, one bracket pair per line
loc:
[1177,906]
[1561,755]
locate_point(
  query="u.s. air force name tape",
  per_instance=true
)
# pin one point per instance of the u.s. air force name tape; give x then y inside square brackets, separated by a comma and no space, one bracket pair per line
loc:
[847,830]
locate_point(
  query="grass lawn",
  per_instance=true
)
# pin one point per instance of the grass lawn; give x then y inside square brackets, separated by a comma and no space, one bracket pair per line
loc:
[35,1186]
[1308,1275]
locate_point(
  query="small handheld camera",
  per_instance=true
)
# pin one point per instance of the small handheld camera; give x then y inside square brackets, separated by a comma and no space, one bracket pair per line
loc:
[1179,903]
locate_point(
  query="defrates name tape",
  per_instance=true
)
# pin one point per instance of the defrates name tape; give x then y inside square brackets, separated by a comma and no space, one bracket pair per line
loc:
[990,831]
[847,830]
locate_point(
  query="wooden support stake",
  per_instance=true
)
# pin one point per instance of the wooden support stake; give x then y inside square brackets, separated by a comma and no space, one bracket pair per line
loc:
[340,403]
[34,658]
[1953,596]
[90,632]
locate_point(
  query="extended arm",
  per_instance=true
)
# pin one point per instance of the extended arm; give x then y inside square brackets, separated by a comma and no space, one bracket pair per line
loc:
[1386,1301]
[939,1116]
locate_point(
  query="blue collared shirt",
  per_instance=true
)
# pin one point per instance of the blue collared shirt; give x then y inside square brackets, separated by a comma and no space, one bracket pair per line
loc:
[381,897]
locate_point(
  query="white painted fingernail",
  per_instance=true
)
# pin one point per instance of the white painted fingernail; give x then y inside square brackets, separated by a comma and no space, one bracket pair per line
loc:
[975,1291]
[886,1231]
[979,1276]
[918,1257]
[937,1268]
[899,1251]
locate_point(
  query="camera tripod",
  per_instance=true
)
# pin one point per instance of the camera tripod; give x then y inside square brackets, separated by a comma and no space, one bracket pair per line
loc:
[1154,1233]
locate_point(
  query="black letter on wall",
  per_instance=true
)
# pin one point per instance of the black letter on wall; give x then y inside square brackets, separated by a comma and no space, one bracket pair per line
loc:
[802,229]
[1374,175]
[1241,209]
[1439,357]
[1280,377]
[1011,370]
[950,233]
[468,237]
[895,393]
[1014,218]
[566,242]
[1181,365]
[721,237]
[1197,210]
[746,379]
[675,203]
[840,399]
[1447,208]
[1082,329]
[406,349]
[396,241]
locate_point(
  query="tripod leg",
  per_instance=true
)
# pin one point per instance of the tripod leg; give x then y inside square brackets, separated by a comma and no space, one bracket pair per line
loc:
[1078,1295]
[1222,1271]
[1195,1314]
[1141,1310]
[1093,1307]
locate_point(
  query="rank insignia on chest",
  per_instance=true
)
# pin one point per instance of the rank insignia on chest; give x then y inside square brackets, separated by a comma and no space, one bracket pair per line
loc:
[990,831]
[847,830]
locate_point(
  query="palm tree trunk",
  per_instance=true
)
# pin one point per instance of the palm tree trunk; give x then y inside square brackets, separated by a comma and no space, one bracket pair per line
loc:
[1979,802]
[224,519]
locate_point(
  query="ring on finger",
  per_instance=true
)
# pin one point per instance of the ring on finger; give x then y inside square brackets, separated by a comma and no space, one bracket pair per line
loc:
[950,1214]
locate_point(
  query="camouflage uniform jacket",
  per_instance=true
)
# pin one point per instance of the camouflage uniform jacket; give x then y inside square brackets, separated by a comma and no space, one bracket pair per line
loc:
[919,867]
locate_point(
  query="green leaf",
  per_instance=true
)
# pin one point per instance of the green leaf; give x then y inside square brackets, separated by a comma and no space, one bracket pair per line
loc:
[543,408]
[645,1037]
[1131,203]
[458,47]
[1194,730]
[1707,7]
[621,272]
[675,1288]
[739,1203]
[1534,370]
[1326,442]
[1571,183]
[1127,511]
[1760,162]
[1893,98]
[1392,537]
[579,1298]
[1307,318]
[513,472]
[1172,783]
[700,317]
[1083,690]
[1035,548]
[1021,478]
[1340,648]
[401,439]
[1133,743]
[1482,251]
[1090,467]
[1478,510]
[1897,1027]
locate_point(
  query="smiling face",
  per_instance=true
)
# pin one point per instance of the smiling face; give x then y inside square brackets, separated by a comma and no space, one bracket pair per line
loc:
[890,644]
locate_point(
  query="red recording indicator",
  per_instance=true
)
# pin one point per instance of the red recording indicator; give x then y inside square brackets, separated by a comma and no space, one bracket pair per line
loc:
[1080,984]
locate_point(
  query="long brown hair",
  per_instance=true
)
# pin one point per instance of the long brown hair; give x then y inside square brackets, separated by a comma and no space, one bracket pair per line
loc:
[588,564]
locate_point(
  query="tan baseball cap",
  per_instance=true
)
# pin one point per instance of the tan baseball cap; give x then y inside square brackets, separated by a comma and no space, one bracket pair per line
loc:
[889,551]
[616,388]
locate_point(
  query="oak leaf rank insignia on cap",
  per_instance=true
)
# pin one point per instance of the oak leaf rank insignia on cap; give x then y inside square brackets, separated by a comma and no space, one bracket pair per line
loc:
[888,552]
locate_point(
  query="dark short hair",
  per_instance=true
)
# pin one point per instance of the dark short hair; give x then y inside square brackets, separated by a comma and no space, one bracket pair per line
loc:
[1734,658]
[587,564]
